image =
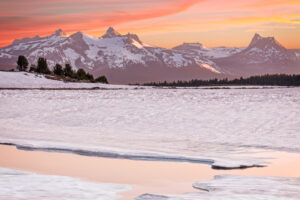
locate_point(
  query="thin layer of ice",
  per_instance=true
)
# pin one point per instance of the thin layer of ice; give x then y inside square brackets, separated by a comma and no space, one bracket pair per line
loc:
[228,187]
[19,185]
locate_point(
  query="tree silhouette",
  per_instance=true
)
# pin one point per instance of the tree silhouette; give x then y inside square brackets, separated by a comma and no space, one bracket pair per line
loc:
[276,79]
[68,71]
[101,79]
[81,74]
[42,66]
[22,63]
[58,70]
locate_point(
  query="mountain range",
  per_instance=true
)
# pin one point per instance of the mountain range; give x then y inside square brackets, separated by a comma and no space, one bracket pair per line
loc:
[126,59]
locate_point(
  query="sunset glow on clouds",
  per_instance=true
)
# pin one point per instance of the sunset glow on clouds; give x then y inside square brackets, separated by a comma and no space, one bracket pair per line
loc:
[158,22]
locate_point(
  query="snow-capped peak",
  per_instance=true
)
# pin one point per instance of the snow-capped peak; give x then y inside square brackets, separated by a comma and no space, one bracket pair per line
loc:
[110,33]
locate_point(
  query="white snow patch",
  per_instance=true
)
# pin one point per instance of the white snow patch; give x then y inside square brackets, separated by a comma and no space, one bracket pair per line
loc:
[71,56]
[137,44]
[228,187]
[25,185]
[222,52]
[30,80]
[209,67]
[175,59]
[5,55]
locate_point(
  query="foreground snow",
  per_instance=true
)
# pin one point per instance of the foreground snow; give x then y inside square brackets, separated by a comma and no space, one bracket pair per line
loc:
[227,187]
[30,80]
[24,185]
[217,127]
[25,80]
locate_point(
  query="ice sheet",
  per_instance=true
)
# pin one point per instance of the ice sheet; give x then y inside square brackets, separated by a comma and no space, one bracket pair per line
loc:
[19,185]
[228,187]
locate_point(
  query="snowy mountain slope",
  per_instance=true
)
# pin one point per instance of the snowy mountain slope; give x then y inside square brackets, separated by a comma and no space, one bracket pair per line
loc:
[200,53]
[111,52]
[80,50]
[126,59]
[198,49]
[296,51]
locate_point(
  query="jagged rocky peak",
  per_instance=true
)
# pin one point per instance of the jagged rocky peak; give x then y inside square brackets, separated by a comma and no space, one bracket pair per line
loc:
[256,38]
[134,37]
[60,33]
[264,42]
[110,33]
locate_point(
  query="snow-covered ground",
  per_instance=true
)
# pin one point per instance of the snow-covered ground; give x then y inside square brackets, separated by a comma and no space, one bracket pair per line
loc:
[227,187]
[25,80]
[219,127]
[31,80]
[25,185]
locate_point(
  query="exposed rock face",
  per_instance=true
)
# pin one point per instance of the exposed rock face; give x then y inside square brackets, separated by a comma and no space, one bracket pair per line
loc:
[126,59]
[110,33]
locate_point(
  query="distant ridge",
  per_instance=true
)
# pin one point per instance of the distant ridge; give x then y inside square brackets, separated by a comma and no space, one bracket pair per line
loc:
[126,59]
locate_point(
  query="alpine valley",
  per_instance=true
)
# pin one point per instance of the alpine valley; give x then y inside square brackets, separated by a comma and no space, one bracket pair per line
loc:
[126,59]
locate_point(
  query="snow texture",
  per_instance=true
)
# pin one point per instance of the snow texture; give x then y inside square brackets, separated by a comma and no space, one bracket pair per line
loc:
[228,187]
[214,126]
[198,49]
[30,80]
[19,185]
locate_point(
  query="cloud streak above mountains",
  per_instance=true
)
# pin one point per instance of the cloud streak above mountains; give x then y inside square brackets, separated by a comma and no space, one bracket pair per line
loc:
[153,18]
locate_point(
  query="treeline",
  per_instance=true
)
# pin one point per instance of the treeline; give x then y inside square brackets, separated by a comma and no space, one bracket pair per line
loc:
[270,80]
[67,73]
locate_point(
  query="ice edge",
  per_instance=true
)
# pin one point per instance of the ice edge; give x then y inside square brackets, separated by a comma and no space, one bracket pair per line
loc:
[130,156]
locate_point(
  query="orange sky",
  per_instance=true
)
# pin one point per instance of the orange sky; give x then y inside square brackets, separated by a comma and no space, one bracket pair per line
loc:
[163,23]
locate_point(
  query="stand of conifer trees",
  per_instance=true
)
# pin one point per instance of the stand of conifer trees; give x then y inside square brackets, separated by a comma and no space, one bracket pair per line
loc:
[58,70]
[264,80]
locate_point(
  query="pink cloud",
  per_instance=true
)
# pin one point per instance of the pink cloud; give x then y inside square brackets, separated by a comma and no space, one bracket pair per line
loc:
[40,17]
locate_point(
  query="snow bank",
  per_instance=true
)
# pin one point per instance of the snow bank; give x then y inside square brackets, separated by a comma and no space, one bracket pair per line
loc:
[30,80]
[24,185]
[227,187]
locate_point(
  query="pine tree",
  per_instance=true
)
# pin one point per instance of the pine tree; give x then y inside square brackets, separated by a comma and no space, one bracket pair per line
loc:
[42,66]
[68,71]
[81,74]
[89,77]
[58,70]
[22,63]
[101,79]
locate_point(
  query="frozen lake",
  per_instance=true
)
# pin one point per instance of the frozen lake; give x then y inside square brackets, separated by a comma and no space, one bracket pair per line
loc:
[218,126]
[170,179]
